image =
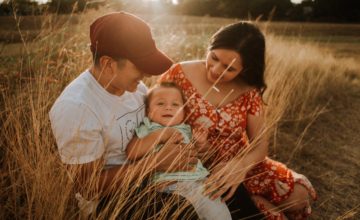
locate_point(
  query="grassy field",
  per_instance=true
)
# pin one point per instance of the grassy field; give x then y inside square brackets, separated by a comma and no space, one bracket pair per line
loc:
[313,97]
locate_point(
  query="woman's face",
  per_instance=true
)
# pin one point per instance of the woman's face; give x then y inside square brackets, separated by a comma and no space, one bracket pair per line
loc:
[218,60]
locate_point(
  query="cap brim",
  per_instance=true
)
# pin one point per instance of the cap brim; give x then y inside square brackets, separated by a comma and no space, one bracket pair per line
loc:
[154,64]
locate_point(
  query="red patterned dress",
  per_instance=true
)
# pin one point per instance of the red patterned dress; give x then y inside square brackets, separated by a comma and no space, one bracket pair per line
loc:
[227,134]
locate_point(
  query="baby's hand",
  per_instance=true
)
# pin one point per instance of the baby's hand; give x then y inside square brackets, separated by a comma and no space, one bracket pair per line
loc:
[200,135]
[171,135]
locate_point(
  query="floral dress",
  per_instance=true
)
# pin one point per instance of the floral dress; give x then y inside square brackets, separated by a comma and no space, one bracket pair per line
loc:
[227,134]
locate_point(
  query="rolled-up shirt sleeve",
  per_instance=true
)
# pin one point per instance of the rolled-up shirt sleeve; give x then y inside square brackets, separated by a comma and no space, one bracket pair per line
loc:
[77,131]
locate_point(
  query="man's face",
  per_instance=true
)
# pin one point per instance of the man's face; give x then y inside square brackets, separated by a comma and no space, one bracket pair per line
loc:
[124,76]
[166,106]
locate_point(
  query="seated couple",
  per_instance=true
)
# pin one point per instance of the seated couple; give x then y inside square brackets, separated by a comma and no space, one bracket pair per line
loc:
[156,160]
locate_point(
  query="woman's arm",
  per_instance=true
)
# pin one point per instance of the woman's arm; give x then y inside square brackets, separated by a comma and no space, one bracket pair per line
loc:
[139,147]
[226,177]
[259,142]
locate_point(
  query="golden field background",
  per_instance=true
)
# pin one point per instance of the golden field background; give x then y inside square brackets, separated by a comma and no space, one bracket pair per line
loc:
[313,97]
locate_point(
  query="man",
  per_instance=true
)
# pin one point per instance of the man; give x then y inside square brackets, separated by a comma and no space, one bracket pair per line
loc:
[94,117]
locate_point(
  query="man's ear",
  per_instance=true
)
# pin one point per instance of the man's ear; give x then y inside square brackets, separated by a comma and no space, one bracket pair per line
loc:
[104,62]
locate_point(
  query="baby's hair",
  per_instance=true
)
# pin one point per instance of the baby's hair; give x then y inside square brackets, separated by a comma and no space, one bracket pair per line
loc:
[167,84]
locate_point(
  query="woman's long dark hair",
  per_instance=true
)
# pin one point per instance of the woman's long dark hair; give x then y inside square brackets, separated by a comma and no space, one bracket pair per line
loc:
[246,39]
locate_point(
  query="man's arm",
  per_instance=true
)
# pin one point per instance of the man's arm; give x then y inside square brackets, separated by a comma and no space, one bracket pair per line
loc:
[81,147]
[171,157]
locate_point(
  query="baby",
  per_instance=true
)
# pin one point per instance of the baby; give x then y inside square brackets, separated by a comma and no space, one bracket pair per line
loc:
[165,115]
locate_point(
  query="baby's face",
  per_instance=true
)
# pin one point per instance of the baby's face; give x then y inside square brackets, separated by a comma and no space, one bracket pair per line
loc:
[166,106]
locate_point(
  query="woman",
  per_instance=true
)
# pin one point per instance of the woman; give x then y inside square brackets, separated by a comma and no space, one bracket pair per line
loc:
[224,94]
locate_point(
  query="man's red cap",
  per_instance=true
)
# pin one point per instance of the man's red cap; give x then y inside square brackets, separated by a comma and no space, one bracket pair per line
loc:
[123,35]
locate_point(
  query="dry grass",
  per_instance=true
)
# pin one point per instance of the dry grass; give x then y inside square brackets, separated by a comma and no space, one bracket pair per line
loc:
[312,98]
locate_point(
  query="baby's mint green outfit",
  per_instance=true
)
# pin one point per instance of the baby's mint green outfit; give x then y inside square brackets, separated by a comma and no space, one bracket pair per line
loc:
[200,172]
[188,184]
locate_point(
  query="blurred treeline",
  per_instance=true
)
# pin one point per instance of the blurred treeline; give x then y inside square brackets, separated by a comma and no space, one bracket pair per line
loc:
[283,10]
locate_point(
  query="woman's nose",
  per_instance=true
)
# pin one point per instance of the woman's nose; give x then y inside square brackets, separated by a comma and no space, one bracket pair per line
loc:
[217,69]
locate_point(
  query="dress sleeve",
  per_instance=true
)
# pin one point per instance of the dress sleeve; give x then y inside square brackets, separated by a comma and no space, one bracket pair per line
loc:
[77,131]
[255,103]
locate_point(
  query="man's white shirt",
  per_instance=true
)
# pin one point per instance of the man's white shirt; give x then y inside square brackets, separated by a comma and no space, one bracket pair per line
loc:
[89,123]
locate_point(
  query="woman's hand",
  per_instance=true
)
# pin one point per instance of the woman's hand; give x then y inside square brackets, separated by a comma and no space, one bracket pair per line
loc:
[224,179]
[200,135]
